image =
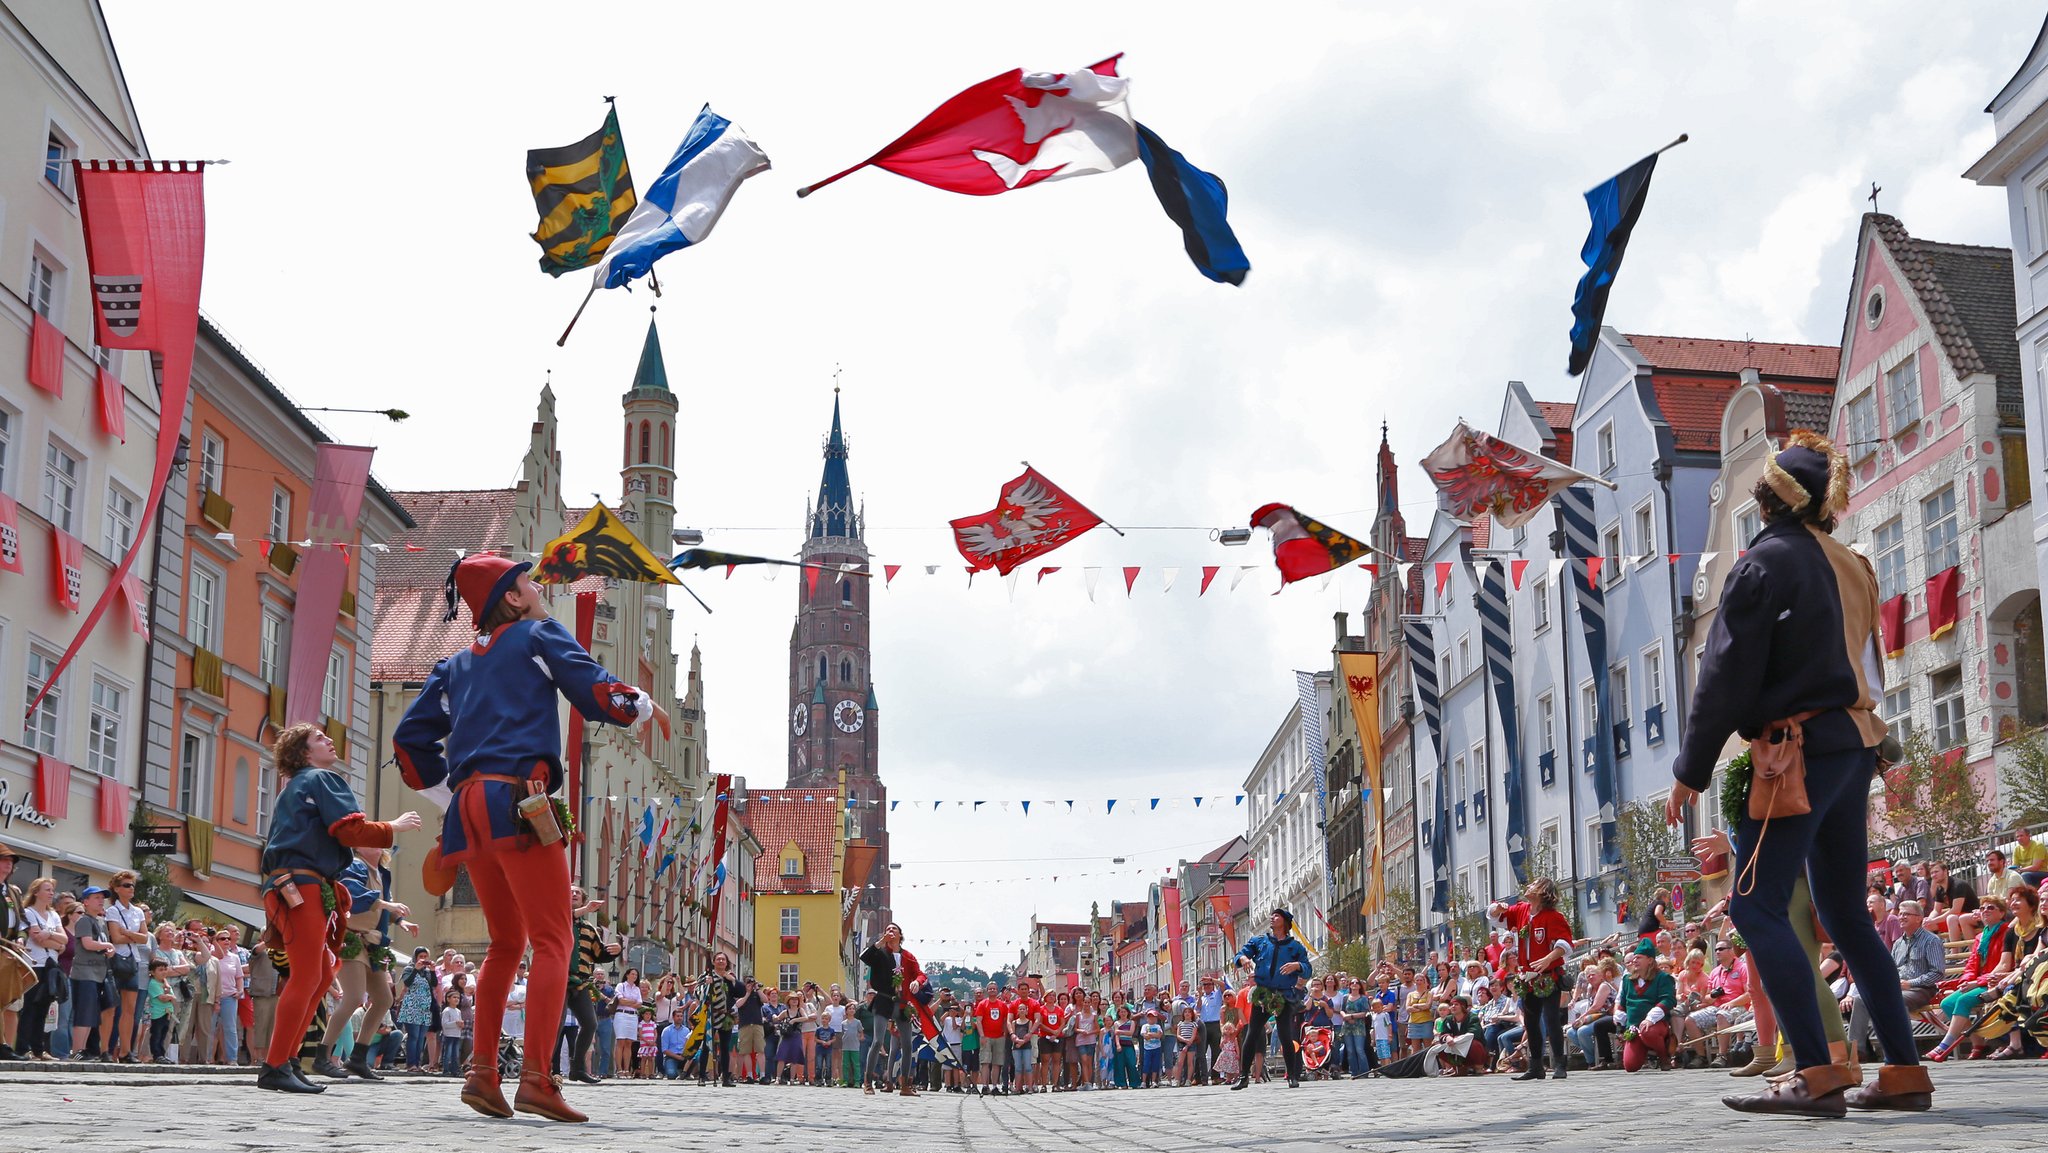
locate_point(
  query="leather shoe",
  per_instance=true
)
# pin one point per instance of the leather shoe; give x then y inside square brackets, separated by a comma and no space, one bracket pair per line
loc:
[539,1095]
[1815,1091]
[1559,1075]
[278,1079]
[361,1069]
[325,1066]
[480,1092]
[586,1079]
[1903,1087]
[1534,1074]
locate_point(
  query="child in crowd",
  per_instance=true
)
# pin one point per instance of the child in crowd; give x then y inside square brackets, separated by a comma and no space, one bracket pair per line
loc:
[161,1004]
[1154,1054]
[1184,1031]
[451,1034]
[1227,1058]
[648,1046]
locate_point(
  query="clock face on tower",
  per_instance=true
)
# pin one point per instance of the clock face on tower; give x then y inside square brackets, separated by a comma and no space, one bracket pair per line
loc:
[799,720]
[847,717]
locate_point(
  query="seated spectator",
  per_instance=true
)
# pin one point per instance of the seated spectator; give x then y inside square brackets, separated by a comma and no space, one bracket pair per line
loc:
[1998,880]
[1473,980]
[1592,1028]
[1726,1006]
[1457,1047]
[1919,957]
[2022,1006]
[1951,900]
[1881,915]
[2029,857]
[1905,885]
[1989,963]
[1648,997]
[1500,1025]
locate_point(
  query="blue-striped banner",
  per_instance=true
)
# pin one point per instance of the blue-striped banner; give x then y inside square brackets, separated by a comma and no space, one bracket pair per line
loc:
[1497,642]
[1421,640]
[1582,542]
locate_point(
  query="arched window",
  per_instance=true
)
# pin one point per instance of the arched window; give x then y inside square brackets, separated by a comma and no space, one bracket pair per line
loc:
[846,592]
[644,438]
[626,450]
[821,668]
[664,444]
[846,670]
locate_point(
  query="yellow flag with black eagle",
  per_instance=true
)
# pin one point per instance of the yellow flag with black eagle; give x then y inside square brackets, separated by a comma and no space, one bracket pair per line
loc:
[584,192]
[600,545]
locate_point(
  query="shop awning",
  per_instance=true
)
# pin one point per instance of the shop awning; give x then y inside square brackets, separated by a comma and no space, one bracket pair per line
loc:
[248,915]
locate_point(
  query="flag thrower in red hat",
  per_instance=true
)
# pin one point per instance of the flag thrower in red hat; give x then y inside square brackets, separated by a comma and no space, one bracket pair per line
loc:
[483,740]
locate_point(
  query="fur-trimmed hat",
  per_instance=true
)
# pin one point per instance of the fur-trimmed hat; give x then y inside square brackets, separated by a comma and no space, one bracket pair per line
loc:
[482,581]
[1810,468]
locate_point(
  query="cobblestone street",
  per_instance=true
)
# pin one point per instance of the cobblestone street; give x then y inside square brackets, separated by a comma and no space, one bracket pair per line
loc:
[172,1111]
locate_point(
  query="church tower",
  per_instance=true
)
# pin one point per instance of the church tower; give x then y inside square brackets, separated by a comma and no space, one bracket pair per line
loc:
[833,709]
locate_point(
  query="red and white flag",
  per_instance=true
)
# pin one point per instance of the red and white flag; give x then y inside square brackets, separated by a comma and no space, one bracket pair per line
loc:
[1015,130]
[1303,546]
[10,534]
[67,569]
[1033,517]
[1482,475]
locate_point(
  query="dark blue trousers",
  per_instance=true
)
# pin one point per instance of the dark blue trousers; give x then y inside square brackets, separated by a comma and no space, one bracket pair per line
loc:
[1831,845]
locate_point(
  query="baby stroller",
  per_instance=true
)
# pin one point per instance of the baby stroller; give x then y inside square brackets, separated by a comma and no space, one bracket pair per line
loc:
[511,1058]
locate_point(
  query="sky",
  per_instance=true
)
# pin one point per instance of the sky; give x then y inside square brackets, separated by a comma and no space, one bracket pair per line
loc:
[1407,180]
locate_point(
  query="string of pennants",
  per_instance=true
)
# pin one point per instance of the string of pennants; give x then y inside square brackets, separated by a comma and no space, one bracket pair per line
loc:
[1140,872]
[976,805]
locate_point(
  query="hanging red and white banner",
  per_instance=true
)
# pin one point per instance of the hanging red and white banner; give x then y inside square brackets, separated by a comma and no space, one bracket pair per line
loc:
[10,534]
[53,787]
[1032,517]
[67,570]
[45,355]
[1942,601]
[339,473]
[138,604]
[145,241]
[1482,475]
[113,405]
[115,802]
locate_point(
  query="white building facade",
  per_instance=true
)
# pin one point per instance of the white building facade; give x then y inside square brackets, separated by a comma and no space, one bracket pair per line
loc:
[1290,862]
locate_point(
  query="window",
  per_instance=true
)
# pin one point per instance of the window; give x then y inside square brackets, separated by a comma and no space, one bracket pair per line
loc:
[1539,604]
[1946,687]
[1646,530]
[1589,706]
[334,690]
[57,155]
[821,668]
[1859,425]
[1938,518]
[120,522]
[644,441]
[1748,523]
[103,736]
[846,670]
[202,608]
[1464,654]
[263,779]
[792,919]
[270,650]
[40,733]
[280,513]
[1610,548]
[793,866]
[1606,439]
[195,775]
[42,286]
[106,357]
[1889,542]
[1546,722]
[1898,712]
[1617,693]
[213,456]
[846,593]
[62,474]
[1902,394]
[786,977]
[1458,777]
[6,445]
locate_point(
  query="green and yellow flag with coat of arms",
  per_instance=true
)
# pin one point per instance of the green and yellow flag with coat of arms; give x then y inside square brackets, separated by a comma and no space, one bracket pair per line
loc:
[584,192]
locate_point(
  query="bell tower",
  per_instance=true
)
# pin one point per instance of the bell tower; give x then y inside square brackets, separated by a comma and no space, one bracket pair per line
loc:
[834,713]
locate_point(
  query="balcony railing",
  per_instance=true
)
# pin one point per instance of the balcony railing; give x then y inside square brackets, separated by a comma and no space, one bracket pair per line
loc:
[217,511]
[208,674]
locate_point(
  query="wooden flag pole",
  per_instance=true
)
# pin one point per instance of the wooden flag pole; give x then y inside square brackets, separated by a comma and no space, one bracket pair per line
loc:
[807,189]
[564,338]
[1682,138]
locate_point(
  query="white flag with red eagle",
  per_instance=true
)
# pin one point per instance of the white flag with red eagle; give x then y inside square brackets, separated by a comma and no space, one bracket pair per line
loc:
[1482,475]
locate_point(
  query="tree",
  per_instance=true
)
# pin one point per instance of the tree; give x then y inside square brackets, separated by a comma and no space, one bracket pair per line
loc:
[1353,959]
[1644,838]
[2026,779]
[152,873]
[1933,792]
[1467,919]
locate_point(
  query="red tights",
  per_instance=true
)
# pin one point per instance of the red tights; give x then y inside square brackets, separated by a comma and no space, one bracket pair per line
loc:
[525,898]
[306,945]
[1653,1042]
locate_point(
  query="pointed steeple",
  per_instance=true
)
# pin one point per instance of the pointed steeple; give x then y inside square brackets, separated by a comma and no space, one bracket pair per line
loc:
[1390,496]
[834,514]
[652,373]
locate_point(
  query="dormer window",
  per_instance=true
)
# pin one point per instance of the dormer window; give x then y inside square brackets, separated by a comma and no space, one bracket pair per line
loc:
[793,865]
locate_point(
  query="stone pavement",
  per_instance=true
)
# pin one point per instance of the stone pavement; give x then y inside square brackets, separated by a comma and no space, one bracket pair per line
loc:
[1980,1107]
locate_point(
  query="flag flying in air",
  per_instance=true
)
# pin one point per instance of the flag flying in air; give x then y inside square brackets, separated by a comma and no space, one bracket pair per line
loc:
[583,192]
[712,558]
[1482,475]
[1196,201]
[1015,130]
[1614,206]
[1304,547]
[686,200]
[1032,517]
[600,545]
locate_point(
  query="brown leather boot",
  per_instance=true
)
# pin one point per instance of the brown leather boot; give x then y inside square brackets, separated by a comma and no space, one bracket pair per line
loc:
[1815,1091]
[538,1094]
[480,1092]
[903,1087]
[1844,1055]
[1905,1087]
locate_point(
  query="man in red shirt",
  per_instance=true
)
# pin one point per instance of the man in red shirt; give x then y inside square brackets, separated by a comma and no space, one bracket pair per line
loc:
[1544,939]
[993,1015]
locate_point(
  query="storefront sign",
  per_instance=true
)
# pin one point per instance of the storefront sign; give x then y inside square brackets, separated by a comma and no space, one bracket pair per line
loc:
[154,842]
[24,810]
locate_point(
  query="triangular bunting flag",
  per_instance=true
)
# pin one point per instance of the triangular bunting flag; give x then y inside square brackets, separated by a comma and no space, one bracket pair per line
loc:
[1027,807]
[1672,557]
[1443,576]
[1170,574]
[931,570]
[1046,571]
[1112,806]
[1198,802]
[889,572]
[1515,571]
[1010,583]
[1593,570]
[1241,571]
[1088,577]
[1130,578]
[1155,802]
[1209,572]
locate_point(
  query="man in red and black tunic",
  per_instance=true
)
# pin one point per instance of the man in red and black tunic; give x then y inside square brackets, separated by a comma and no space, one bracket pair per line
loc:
[1543,940]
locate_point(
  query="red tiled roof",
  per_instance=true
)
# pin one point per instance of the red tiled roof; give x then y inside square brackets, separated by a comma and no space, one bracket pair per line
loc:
[1558,415]
[778,816]
[411,634]
[1693,378]
[1691,354]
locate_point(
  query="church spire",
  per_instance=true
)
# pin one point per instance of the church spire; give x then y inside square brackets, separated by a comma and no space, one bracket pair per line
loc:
[652,373]
[1390,495]
[834,515]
